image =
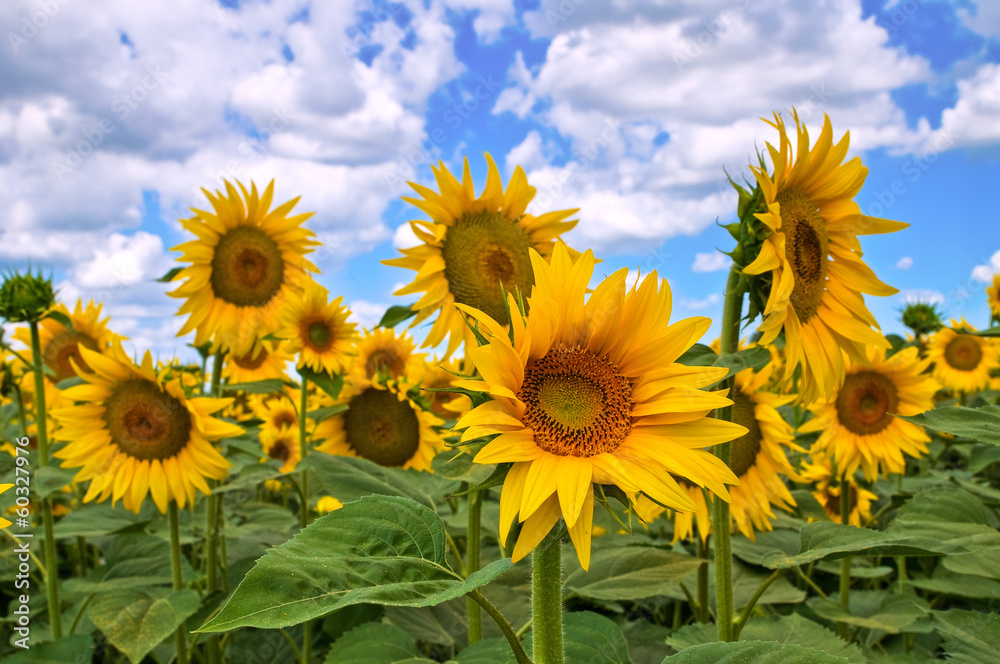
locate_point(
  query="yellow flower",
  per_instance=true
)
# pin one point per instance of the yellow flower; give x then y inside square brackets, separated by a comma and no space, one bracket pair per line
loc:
[267,359]
[757,458]
[282,444]
[827,493]
[61,346]
[277,413]
[383,425]
[328,504]
[962,361]
[447,405]
[588,392]
[472,246]
[318,330]
[246,263]
[4,522]
[993,296]
[382,355]
[857,425]
[133,434]
[814,258]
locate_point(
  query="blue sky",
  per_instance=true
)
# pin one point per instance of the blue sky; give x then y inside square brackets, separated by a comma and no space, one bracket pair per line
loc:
[112,119]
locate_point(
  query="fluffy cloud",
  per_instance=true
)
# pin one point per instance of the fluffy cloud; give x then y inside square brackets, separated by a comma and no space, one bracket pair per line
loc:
[904,263]
[984,273]
[711,262]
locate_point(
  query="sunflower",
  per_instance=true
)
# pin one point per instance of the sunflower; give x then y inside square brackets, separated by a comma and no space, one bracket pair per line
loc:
[814,258]
[382,355]
[135,434]
[962,361]
[381,424]
[266,359]
[247,262]
[827,493]
[318,331]
[441,374]
[857,425]
[279,413]
[757,458]
[4,522]
[472,246]
[993,297]
[282,444]
[588,392]
[61,345]
[327,504]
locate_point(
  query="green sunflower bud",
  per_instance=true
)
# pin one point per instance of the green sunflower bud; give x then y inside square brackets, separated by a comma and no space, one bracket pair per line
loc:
[921,317]
[24,298]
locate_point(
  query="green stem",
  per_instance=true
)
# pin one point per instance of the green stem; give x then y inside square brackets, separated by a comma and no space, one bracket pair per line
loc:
[475,616]
[753,602]
[901,566]
[41,426]
[307,627]
[213,646]
[731,314]
[546,604]
[845,562]
[508,631]
[175,564]
[81,544]
[702,608]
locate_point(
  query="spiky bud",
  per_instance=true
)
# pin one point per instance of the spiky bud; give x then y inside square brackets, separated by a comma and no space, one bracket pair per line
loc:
[922,317]
[24,298]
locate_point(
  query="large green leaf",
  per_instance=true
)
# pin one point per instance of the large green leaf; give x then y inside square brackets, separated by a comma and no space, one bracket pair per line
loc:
[94,521]
[589,638]
[826,540]
[258,386]
[752,652]
[67,650]
[487,651]
[631,572]
[331,384]
[793,629]
[874,609]
[351,478]
[134,560]
[51,479]
[982,424]
[945,582]
[969,637]
[375,643]
[136,620]
[749,358]
[778,541]
[380,550]
[396,314]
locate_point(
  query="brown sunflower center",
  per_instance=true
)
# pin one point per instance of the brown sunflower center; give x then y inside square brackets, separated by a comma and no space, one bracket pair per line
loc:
[481,252]
[866,402]
[833,502]
[318,335]
[577,404]
[64,347]
[247,268]
[381,428]
[146,422]
[743,451]
[281,449]
[963,353]
[384,361]
[806,249]
[284,418]
[249,361]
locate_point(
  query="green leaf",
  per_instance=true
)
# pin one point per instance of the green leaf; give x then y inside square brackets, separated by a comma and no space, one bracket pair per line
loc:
[944,582]
[698,355]
[458,465]
[752,652]
[988,332]
[830,541]
[378,550]
[778,541]
[60,317]
[982,424]
[51,479]
[136,620]
[329,384]
[94,521]
[793,629]
[326,413]
[170,275]
[969,637]
[631,572]
[487,651]
[257,387]
[134,559]
[396,314]
[983,456]
[749,358]
[67,650]
[375,643]
[589,638]
[874,609]
[351,478]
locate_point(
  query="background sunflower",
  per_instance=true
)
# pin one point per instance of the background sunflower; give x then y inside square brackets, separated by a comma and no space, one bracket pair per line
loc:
[962,360]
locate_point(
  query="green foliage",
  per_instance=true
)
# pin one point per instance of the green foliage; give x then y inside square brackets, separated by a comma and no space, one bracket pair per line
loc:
[631,572]
[982,424]
[136,620]
[752,652]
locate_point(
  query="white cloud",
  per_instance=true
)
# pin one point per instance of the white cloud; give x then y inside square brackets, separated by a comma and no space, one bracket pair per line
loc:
[984,273]
[921,295]
[973,119]
[123,261]
[366,314]
[904,263]
[713,300]
[711,262]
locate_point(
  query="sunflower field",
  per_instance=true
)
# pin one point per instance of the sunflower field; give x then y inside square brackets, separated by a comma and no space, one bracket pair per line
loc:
[525,461]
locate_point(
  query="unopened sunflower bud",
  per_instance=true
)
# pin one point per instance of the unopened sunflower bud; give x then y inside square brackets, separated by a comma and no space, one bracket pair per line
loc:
[24,298]
[921,317]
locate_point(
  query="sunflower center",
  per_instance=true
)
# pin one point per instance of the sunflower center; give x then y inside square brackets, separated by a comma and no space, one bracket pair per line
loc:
[481,252]
[281,450]
[806,249]
[381,428]
[284,418]
[833,504]
[319,335]
[866,402]
[384,361]
[577,404]
[146,422]
[64,347]
[963,353]
[250,362]
[247,268]
[743,451]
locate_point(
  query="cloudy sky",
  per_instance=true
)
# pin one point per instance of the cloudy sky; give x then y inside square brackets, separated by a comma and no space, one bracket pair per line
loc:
[113,116]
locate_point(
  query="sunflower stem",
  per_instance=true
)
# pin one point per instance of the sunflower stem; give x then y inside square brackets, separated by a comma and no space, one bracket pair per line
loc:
[175,565]
[475,616]
[212,508]
[508,631]
[546,604]
[731,314]
[701,611]
[845,562]
[307,627]
[41,426]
